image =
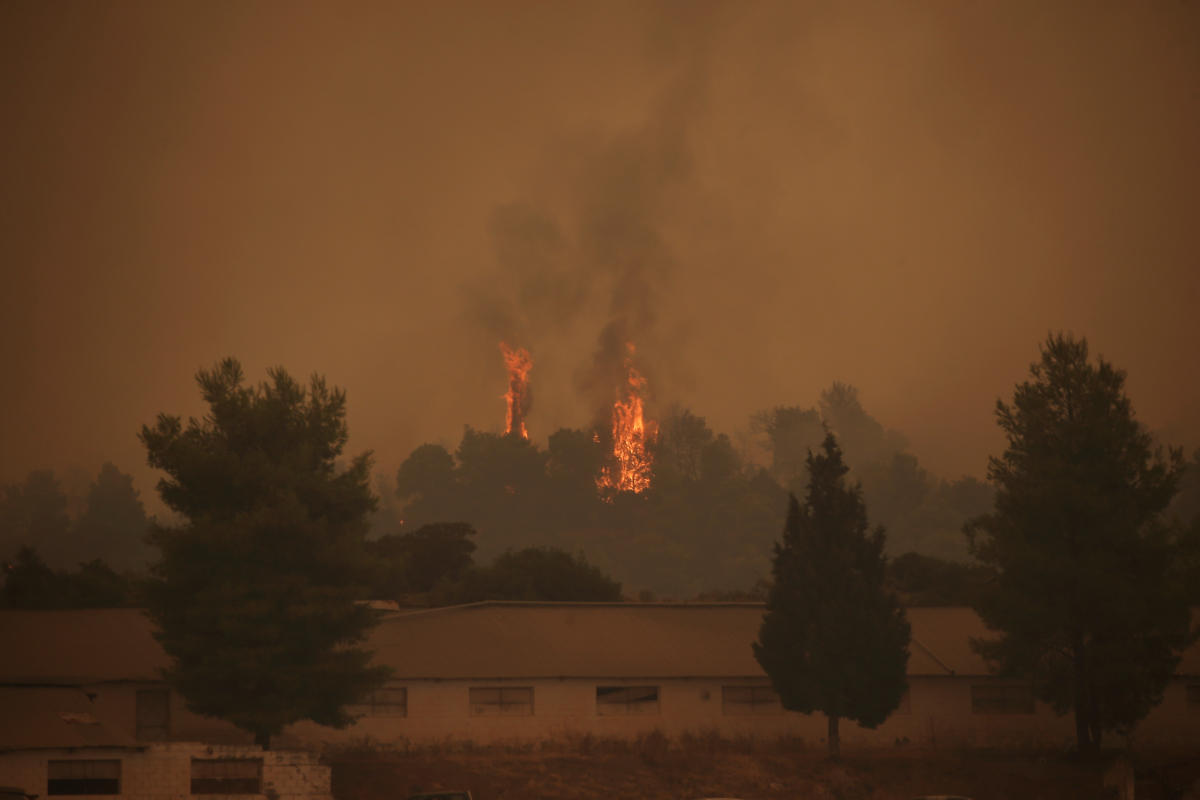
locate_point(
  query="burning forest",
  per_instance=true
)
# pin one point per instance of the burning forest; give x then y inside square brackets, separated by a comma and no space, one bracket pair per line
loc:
[518,397]
[631,460]
[627,466]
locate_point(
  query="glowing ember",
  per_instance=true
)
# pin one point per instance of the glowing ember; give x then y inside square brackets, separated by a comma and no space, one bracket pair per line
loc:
[517,397]
[629,470]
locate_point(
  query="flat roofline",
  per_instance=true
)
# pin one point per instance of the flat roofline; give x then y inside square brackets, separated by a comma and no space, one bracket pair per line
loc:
[71,748]
[760,677]
[573,604]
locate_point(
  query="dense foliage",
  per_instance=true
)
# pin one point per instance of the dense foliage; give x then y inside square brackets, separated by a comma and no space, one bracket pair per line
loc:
[927,581]
[30,584]
[535,573]
[72,551]
[707,521]
[1089,596]
[413,563]
[34,514]
[834,638]
[255,593]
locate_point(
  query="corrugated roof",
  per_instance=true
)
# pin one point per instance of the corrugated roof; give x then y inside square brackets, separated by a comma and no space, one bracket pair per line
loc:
[39,718]
[78,646]
[491,640]
[528,640]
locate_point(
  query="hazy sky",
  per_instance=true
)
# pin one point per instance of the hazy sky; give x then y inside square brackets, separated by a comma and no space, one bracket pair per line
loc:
[765,197]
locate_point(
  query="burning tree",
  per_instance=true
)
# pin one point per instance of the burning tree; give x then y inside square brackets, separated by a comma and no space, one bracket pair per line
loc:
[517,398]
[629,468]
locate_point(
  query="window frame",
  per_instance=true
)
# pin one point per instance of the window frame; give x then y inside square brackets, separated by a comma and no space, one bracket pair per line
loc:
[506,703]
[763,700]
[628,705]
[83,784]
[375,706]
[145,732]
[223,784]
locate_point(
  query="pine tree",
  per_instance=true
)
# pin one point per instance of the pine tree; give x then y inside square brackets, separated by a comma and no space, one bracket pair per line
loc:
[1088,594]
[113,525]
[255,594]
[834,639]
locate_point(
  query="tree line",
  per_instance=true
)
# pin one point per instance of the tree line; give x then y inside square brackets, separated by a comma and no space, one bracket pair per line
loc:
[1084,565]
[1089,580]
[64,552]
[707,521]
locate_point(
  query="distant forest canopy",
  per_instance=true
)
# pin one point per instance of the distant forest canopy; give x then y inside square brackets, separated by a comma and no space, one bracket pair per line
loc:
[704,529]
[76,520]
[712,512]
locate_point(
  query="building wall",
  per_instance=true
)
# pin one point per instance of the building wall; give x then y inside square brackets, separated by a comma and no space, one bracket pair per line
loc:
[163,772]
[937,712]
[116,703]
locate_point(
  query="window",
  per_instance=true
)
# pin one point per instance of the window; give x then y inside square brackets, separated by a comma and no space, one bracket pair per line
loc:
[1193,696]
[509,701]
[90,776]
[1001,698]
[153,714]
[390,701]
[749,700]
[626,700]
[227,775]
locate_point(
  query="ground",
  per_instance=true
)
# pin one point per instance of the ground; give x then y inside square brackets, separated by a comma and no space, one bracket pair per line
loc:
[653,768]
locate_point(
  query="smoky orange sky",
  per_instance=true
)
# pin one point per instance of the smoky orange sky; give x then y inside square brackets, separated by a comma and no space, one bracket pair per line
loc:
[765,196]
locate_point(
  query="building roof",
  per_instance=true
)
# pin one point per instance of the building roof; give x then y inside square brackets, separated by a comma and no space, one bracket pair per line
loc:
[78,647]
[34,718]
[697,640]
[491,640]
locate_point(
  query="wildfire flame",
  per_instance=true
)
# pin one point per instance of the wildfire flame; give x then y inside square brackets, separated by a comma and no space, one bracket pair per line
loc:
[517,397]
[629,470]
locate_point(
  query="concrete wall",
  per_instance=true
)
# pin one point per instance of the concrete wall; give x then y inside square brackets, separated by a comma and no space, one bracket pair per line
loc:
[163,772]
[116,703]
[938,713]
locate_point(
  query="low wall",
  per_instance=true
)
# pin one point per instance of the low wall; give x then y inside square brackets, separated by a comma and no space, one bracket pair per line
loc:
[163,771]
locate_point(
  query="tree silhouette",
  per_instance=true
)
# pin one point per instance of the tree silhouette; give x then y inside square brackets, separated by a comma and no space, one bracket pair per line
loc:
[254,595]
[1087,595]
[833,639]
[113,524]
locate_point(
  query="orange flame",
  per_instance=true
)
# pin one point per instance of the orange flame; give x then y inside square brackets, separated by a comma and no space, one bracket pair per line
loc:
[629,470]
[517,398]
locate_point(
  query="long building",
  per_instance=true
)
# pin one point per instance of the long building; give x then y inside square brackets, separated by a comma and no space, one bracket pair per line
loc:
[506,672]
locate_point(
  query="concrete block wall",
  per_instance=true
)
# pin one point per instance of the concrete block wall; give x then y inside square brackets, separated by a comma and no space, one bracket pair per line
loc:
[163,771]
[938,714]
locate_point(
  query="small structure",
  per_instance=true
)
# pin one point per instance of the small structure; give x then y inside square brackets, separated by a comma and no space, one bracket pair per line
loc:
[74,726]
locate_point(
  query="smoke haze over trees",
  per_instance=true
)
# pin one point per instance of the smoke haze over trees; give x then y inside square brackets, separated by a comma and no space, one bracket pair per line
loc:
[738,191]
[104,520]
[712,510]
[782,211]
